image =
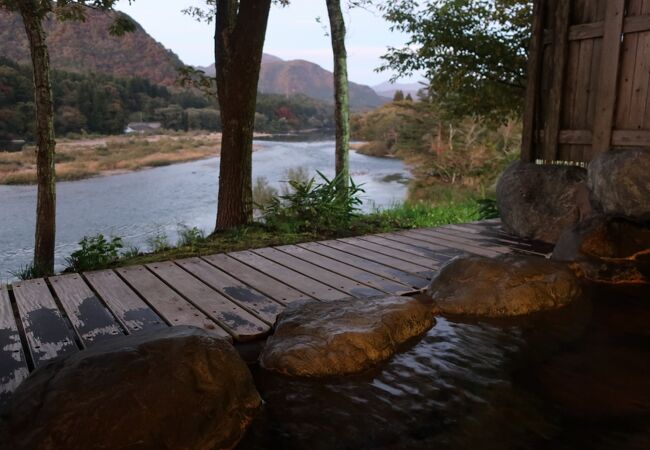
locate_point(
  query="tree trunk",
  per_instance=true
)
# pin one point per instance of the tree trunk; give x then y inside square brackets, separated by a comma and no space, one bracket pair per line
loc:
[341,91]
[240,30]
[46,202]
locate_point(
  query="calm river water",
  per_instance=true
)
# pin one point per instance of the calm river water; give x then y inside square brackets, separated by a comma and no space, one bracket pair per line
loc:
[139,205]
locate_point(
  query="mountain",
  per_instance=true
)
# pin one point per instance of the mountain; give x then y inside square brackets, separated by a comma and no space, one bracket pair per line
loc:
[88,47]
[388,89]
[303,77]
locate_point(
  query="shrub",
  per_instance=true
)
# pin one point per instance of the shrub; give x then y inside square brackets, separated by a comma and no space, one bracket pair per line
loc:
[189,237]
[314,207]
[96,252]
[158,242]
[29,272]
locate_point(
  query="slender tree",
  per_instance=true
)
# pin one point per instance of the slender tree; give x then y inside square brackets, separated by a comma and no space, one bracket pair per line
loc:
[240,31]
[33,13]
[341,91]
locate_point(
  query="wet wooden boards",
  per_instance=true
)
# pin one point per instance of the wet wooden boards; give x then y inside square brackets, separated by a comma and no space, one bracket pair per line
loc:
[13,363]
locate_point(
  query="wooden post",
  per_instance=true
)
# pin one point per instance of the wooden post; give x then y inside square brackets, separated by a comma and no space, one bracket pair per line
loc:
[535,53]
[608,84]
[558,66]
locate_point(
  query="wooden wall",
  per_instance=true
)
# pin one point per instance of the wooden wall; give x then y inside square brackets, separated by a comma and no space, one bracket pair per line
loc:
[589,79]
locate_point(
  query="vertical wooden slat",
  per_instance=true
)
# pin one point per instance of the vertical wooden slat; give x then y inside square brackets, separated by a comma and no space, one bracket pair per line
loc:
[558,66]
[531,108]
[607,87]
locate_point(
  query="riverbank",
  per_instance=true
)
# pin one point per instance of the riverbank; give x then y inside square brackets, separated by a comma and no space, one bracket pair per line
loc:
[77,159]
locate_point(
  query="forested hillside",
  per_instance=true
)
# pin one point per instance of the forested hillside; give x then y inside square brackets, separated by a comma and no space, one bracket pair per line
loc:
[103,104]
[450,156]
[88,46]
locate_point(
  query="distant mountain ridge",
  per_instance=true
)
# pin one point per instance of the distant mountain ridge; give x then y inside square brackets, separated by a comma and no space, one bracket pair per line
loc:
[88,47]
[388,89]
[303,77]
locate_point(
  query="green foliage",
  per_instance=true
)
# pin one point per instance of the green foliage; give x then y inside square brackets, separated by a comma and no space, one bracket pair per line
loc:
[487,209]
[158,242]
[314,207]
[95,252]
[399,96]
[422,215]
[102,104]
[461,153]
[189,237]
[473,52]
[29,272]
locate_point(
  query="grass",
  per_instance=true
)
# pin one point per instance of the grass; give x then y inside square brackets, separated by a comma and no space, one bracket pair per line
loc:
[406,216]
[79,159]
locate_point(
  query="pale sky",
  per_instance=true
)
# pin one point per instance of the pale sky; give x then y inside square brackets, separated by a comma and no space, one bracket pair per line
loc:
[293,33]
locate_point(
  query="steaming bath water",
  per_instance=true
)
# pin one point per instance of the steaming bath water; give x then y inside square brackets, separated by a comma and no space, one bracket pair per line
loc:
[571,379]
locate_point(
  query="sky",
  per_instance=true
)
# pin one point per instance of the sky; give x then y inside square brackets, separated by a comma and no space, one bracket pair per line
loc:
[293,33]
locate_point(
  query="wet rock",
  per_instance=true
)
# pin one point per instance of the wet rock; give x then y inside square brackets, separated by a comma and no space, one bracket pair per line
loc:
[315,339]
[607,250]
[540,201]
[505,286]
[178,388]
[620,183]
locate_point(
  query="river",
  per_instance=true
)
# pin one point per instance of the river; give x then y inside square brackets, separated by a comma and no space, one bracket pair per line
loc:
[139,205]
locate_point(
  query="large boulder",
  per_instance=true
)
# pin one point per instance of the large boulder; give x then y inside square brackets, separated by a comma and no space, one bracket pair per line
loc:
[607,250]
[540,201]
[505,286]
[177,388]
[620,183]
[314,339]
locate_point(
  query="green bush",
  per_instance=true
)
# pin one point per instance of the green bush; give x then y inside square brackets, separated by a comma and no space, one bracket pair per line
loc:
[96,252]
[189,237]
[29,272]
[314,207]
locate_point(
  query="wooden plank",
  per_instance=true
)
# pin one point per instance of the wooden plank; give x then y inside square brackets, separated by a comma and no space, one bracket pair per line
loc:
[13,363]
[240,323]
[90,319]
[558,67]
[294,279]
[607,86]
[442,250]
[129,309]
[490,242]
[637,24]
[347,285]
[167,303]
[367,278]
[257,303]
[531,108]
[406,248]
[46,331]
[575,137]
[629,138]
[416,281]
[586,31]
[437,238]
[389,261]
[276,290]
[626,74]
[425,263]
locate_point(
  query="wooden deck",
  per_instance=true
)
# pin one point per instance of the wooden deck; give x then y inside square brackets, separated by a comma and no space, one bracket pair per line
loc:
[236,295]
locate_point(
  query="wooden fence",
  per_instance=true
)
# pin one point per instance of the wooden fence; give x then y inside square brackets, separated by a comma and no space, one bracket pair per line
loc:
[589,79]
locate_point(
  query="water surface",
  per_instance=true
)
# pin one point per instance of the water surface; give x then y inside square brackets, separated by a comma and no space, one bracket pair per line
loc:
[138,205]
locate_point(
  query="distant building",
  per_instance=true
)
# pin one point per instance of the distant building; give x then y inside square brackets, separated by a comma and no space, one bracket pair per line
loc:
[11,145]
[142,127]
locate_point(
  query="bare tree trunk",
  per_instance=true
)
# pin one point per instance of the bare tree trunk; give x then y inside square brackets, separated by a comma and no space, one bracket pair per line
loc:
[240,30]
[341,90]
[46,202]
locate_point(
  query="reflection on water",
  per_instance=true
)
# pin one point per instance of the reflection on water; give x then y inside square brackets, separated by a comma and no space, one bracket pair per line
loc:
[571,379]
[138,205]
